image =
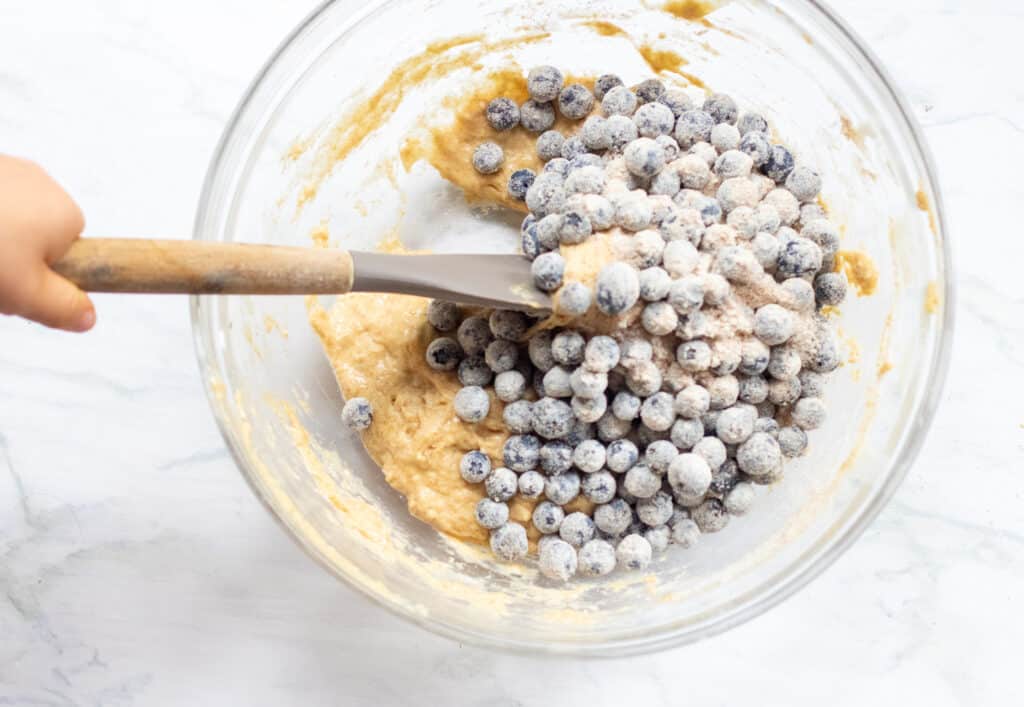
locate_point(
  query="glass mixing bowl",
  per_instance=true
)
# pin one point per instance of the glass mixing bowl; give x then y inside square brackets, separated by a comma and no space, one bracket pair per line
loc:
[279,175]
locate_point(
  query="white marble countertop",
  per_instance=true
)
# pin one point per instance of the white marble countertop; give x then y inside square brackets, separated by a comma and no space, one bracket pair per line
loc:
[137,567]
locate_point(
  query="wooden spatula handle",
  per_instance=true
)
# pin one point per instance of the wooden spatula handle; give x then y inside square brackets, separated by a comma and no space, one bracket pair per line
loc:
[197,267]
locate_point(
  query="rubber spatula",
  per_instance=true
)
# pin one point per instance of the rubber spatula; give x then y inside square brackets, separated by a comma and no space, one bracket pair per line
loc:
[206,268]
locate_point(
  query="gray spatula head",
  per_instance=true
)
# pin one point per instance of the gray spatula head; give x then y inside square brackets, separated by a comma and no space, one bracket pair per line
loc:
[487,280]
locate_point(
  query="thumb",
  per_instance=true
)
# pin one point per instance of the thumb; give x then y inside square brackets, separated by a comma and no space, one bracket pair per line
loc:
[60,305]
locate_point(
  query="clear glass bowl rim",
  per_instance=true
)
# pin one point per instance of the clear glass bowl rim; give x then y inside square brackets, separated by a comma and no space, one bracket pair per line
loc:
[800,575]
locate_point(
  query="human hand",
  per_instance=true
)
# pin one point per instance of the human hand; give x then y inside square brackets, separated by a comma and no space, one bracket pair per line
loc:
[38,223]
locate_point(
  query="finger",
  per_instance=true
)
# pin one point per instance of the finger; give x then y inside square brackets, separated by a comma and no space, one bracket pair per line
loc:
[60,305]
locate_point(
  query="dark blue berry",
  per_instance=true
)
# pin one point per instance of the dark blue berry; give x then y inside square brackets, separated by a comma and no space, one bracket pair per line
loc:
[502,114]
[758,146]
[604,84]
[519,182]
[521,452]
[779,164]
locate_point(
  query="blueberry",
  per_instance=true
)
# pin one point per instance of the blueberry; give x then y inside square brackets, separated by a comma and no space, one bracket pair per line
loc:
[784,363]
[574,299]
[710,516]
[830,288]
[758,146]
[812,384]
[559,166]
[599,487]
[536,116]
[734,425]
[472,404]
[641,482]
[604,84]
[531,484]
[619,100]
[577,528]
[549,145]
[544,82]
[799,257]
[759,455]
[724,478]
[588,384]
[725,137]
[773,325]
[659,454]
[502,114]
[618,288]
[656,510]
[693,126]
[677,101]
[575,101]
[784,392]
[474,467]
[520,182]
[521,452]
[501,484]
[500,356]
[474,371]
[669,145]
[547,193]
[601,354]
[568,347]
[357,414]
[750,122]
[585,159]
[626,406]
[649,91]
[792,441]
[576,228]
[721,107]
[509,386]
[443,354]
[658,412]
[633,552]
[589,456]
[596,558]
[644,157]
[659,538]
[529,241]
[488,158]
[804,183]
[588,179]
[563,488]
[822,232]
[474,335]
[539,349]
[654,120]
[552,419]
[613,517]
[509,542]
[491,514]
[808,413]
[779,163]
[686,433]
[557,560]
[548,270]
[443,316]
[555,457]
[753,390]
[518,416]
[573,148]
[595,133]
[622,455]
